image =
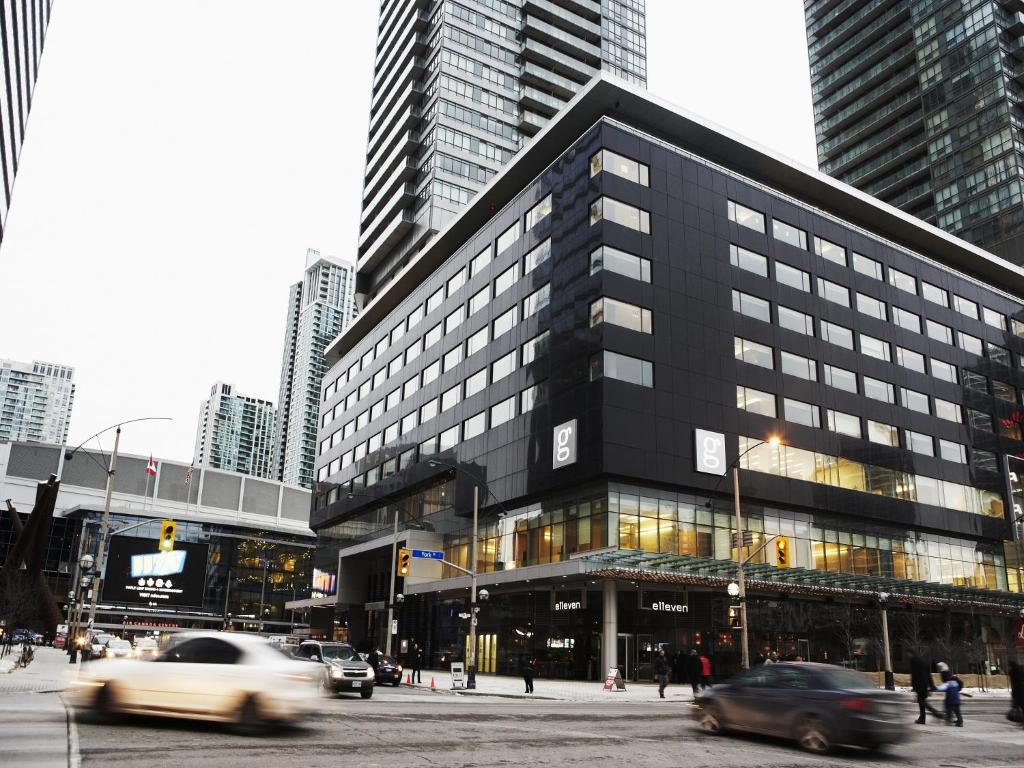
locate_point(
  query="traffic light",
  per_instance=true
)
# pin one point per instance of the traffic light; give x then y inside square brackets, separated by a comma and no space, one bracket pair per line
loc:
[782,552]
[167,535]
[734,617]
[404,559]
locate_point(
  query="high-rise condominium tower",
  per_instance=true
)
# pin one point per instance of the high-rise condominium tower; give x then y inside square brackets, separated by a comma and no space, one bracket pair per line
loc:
[35,401]
[22,29]
[458,88]
[319,308]
[235,433]
[920,105]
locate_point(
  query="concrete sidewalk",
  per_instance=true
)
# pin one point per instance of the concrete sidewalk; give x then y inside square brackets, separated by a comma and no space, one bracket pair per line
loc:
[49,671]
[36,729]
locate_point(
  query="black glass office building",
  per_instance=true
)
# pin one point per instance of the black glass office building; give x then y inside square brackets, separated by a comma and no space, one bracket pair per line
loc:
[635,304]
[919,104]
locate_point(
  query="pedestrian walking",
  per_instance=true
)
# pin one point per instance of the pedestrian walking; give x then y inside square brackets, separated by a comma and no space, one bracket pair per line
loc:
[693,671]
[951,685]
[374,658]
[529,670]
[679,667]
[921,683]
[661,671]
[1016,674]
[416,662]
[705,672]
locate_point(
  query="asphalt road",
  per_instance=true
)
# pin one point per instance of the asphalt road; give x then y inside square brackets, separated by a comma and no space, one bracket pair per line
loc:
[399,728]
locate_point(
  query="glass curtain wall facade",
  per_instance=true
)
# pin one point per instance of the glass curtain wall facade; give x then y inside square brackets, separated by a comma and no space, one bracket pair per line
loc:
[458,88]
[918,104]
[236,433]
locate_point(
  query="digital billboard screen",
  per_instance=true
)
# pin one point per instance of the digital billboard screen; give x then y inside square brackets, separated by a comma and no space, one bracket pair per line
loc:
[137,572]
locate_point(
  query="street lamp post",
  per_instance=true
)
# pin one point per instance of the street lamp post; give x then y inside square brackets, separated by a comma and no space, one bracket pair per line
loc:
[391,589]
[883,600]
[263,591]
[471,656]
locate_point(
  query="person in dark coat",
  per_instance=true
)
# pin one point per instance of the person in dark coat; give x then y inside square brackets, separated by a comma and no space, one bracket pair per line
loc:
[921,683]
[693,670]
[661,671]
[1016,674]
[679,667]
[529,670]
[416,662]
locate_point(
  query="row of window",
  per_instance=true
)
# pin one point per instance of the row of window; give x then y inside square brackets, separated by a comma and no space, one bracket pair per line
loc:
[865,265]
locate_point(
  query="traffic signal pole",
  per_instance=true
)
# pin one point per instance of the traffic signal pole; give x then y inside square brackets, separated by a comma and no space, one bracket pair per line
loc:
[391,591]
[104,530]
[745,650]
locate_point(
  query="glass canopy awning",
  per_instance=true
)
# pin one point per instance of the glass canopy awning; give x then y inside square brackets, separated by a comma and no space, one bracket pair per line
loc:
[652,568]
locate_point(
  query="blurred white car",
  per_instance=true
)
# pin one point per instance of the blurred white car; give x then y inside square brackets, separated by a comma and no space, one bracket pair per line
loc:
[224,676]
[145,648]
[117,649]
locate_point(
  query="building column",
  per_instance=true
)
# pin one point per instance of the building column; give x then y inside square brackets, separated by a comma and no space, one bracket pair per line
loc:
[610,627]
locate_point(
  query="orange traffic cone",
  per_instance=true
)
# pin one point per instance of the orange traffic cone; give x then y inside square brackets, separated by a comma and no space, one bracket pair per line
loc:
[408,679]
[433,687]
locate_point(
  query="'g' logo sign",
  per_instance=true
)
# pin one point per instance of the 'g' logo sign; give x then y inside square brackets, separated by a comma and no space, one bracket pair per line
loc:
[710,451]
[564,445]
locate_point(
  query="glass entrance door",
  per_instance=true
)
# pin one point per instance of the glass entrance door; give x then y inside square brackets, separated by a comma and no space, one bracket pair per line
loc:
[625,653]
[645,651]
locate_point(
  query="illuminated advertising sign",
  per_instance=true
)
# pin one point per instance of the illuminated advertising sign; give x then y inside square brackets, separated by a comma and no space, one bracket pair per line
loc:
[139,573]
[1015,474]
[664,602]
[325,583]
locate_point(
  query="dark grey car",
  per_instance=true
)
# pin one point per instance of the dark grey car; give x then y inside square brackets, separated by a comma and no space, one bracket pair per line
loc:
[343,670]
[818,705]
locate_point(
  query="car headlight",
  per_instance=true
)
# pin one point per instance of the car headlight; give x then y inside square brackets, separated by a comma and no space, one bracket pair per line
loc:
[335,672]
[399,667]
[370,672]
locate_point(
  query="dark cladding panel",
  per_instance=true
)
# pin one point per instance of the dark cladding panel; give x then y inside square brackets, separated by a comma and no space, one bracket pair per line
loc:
[36,462]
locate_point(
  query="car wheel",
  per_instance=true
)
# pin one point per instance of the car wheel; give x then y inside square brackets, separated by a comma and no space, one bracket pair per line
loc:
[711,719]
[366,693]
[397,683]
[813,736]
[249,721]
[105,703]
[325,688]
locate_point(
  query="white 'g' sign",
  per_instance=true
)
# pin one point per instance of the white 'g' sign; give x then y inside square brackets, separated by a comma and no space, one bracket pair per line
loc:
[564,445]
[710,451]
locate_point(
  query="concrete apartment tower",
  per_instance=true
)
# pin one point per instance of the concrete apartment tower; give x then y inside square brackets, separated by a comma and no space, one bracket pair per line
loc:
[458,89]
[35,401]
[319,308]
[920,105]
[235,432]
[22,31]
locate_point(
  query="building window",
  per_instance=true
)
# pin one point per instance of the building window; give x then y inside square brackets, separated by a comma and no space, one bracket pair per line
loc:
[450,398]
[432,337]
[533,396]
[903,281]
[944,409]
[1004,391]
[840,378]
[619,165]
[456,281]
[538,213]
[867,266]
[878,390]
[413,351]
[943,371]
[452,358]
[934,294]
[474,425]
[376,410]
[506,280]
[613,365]
[537,300]
[504,323]
[503,366]
[793,277]
[428,411]
[829,250]
[395,366]
[391,433]
[751,306]
[906,320]
[870,306]
[939,332]
[535,347]
[915,401]
[755,401]
[414,317]
[506,238]
[799,412]
[379,378]
[480,261]
[883,434]
[965,307]
[622,213]
[620,262]
[993,318]
[919,442]
[382,347]
[746,217]
[909,359]
[792,320]
[787,233]
[876,348]
[968,343]
[428,447]
[409,423]
[367,358]
[607,310]
[431,372]
[836,334]
[799,366]
[979,420]
[975,381]
[479,300]
[448,439]
[454,320]
[951,451]
[752,352]
[435,300]
[476,342]
[393,399]
[503,411]
[997,354]
[748,260]
[833,292]
[537,256]
[844,423]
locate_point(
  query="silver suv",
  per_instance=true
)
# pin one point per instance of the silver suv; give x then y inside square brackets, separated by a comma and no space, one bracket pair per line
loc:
[344,670]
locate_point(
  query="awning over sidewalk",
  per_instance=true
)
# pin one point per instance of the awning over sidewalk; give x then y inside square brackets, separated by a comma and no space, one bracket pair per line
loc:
[648,567]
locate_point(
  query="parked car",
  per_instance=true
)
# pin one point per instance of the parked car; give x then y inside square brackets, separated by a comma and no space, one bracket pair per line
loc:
[145,648]
[389,671]
[343,669]
[818,705]
[117,649]
[226,677]
[96,643]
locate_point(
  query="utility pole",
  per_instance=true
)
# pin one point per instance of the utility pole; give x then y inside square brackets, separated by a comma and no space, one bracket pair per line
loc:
[263,590]
[104,529]
[471,651]
[890,682]
[391,590]
[744,647]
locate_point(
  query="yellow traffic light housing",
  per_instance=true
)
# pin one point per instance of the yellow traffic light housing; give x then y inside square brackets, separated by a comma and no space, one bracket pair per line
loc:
[167,535]
[782,557]
[404,560]
[734,617]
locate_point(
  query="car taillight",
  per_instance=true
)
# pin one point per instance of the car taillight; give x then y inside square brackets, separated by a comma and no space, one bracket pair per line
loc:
[856,704]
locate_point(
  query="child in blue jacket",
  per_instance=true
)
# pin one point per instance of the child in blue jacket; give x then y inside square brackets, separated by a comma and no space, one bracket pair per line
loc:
[951,685]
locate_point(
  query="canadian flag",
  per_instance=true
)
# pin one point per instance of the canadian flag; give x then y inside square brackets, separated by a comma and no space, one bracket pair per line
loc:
[151,467]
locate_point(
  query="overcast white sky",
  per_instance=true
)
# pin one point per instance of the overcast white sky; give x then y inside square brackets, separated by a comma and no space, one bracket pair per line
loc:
[181,156]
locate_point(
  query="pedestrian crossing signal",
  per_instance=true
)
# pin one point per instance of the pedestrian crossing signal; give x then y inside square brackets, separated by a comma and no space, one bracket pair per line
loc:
[734,617]
[782,552]
[404,560]
[167,535]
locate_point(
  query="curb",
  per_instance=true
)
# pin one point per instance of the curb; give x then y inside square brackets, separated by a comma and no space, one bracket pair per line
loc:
[74,755]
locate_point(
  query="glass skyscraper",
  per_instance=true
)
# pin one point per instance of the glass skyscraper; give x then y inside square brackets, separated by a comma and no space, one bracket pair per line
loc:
[319,308]
[458,88]
[919,104]
[235,432]
[22,30]
[35,401]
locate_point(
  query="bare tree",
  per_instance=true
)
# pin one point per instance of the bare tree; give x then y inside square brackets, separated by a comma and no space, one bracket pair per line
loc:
[18,604]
